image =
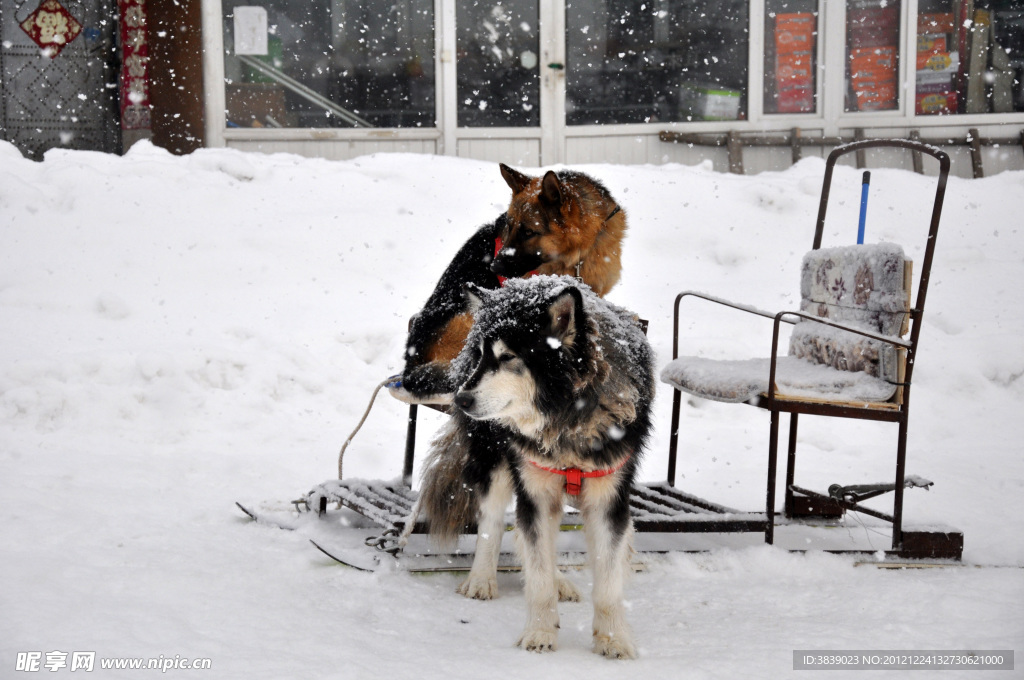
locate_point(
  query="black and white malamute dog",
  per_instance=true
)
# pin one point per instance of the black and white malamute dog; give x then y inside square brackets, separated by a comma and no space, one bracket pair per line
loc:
[554,391]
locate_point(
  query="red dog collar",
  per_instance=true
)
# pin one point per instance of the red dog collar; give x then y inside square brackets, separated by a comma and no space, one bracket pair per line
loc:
[574,476]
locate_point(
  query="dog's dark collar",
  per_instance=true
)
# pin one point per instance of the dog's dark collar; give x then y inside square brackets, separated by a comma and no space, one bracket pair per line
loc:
[574,476]
[579,265]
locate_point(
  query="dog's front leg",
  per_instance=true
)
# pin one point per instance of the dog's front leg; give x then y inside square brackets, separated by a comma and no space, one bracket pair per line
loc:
[537,524]
[609,533]
[482,582]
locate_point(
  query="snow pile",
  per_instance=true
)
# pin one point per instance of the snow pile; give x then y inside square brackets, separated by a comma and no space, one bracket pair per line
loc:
[181,333]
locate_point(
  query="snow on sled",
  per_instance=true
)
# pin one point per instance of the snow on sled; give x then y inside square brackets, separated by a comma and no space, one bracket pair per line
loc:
[851,355]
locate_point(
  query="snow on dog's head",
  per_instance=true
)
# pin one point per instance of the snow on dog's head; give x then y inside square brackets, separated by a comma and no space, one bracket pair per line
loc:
[523,334]
[537,356]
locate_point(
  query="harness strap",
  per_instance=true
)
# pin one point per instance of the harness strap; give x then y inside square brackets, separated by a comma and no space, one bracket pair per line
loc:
[574,476]
[497,249]
[579,265]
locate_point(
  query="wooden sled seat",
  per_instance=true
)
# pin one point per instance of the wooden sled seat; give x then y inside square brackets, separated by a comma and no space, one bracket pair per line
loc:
[862,294]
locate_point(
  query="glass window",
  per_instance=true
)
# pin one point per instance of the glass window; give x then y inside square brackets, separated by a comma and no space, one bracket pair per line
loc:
[872,51]
[640,61]
[790,56]
[969,64]
[329,63]
[498,72]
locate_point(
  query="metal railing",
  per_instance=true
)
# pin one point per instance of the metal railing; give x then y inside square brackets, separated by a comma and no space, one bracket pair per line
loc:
[305,92]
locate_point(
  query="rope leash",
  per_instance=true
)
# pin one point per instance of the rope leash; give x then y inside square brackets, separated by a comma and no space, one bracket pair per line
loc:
[373,397]
[388,542]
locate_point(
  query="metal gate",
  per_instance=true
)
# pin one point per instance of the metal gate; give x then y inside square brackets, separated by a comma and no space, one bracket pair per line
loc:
[68,101]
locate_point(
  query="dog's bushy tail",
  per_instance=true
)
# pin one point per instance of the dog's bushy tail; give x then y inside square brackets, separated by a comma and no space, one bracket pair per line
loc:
[449,503]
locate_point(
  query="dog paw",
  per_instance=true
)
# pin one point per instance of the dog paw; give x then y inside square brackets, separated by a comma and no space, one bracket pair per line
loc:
[539,641]
[479,588]
[612,647]
[567,590]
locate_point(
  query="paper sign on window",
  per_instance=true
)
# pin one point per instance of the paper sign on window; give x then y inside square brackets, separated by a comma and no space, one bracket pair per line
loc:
[250,30]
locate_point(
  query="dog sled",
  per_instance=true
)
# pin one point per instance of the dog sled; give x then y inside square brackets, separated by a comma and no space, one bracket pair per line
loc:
[851,355]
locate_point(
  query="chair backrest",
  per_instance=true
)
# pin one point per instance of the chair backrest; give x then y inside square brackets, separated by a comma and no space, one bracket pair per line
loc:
[865,286]
[917,310]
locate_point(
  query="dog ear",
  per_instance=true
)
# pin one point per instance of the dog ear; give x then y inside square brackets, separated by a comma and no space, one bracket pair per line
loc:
[551,188]
[516,180]
[564,313]
[475,297]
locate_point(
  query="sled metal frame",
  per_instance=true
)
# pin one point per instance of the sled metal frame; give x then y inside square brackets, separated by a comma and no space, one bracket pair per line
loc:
[803,504]
[664,509]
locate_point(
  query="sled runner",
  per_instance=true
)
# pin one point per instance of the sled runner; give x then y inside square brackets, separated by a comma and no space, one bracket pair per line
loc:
[851,354]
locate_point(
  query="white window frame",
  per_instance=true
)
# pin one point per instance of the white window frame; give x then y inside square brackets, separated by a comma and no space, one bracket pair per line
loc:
[829,118]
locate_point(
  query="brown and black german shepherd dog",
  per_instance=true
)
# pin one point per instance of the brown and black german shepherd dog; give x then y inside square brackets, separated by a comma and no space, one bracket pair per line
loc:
[564,223]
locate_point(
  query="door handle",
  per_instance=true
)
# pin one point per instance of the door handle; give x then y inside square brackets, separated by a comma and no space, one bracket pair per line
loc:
[557,66]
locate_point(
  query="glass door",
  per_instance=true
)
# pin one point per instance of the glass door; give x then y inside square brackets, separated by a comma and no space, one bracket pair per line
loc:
[498,74]
[504,95]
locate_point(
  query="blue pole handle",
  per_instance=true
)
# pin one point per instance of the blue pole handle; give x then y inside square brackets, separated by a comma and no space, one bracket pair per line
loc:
[863,206]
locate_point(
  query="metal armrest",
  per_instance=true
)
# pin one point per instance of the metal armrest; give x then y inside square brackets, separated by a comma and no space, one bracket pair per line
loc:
[890,339]
[717,300]
[780,317]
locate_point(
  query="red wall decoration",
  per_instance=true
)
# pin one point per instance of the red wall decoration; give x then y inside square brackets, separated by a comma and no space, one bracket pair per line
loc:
[51,27]
[135,106]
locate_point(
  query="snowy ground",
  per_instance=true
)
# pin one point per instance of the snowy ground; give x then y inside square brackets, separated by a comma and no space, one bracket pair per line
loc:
[181,333]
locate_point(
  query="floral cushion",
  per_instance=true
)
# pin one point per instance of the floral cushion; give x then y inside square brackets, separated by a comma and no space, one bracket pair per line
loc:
[864,286]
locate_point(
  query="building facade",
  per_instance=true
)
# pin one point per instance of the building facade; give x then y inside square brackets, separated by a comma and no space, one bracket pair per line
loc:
[543,82]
